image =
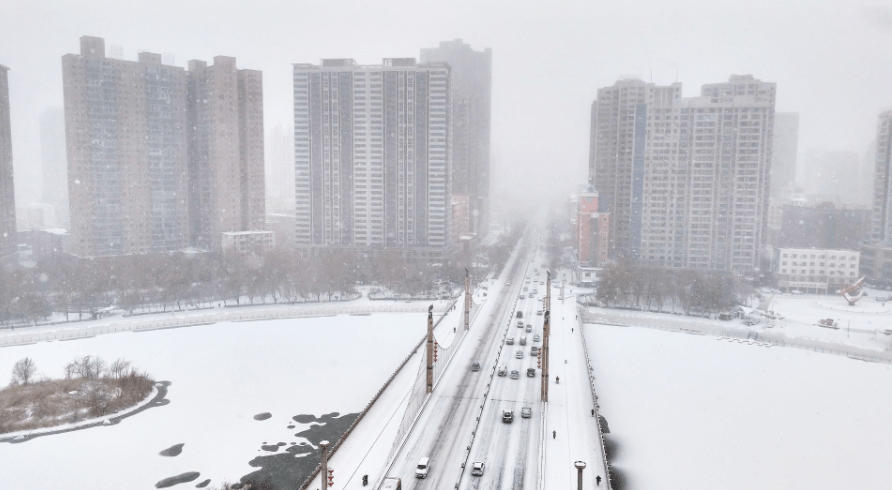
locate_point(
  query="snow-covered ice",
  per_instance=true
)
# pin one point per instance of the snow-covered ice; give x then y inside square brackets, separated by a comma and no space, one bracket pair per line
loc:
[688,411]
[222,375]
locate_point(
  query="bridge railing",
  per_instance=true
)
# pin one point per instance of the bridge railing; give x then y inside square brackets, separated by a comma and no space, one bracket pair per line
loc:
[591,383]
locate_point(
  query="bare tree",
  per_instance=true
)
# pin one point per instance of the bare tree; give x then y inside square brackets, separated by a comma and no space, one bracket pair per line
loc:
[119,368]
[23,371]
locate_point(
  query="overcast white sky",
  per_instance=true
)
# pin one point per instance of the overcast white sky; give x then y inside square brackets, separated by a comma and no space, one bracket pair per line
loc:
[830,59]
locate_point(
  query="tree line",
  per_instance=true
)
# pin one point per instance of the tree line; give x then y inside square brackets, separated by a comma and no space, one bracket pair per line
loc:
[660,289]
[84,288]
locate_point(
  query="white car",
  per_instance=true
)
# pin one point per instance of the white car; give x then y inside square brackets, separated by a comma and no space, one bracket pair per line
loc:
[515,374]
[509,341]
[423,467]
[477,468]
[519,354]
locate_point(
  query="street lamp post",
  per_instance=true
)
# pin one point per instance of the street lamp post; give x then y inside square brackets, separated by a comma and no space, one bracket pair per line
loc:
[580,465]
[324,473]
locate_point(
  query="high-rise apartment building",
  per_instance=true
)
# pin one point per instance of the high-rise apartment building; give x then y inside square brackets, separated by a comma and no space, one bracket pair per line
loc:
[882,182]
[54,164]
[159,158]
[226,173]
[8,244]
[125,126]
[685,179]
[280,171]
[373,153]
[784,152]
[471,113]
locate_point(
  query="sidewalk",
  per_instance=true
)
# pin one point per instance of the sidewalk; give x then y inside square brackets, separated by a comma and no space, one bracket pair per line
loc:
[570,405]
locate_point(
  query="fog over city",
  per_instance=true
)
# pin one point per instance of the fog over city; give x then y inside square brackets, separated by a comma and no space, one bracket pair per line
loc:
[397,244]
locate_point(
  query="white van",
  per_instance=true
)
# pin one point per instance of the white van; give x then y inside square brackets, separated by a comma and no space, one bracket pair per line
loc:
[423,466]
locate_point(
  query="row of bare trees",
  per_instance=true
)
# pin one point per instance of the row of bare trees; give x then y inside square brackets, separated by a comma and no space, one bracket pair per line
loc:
[674,290]
[84,288]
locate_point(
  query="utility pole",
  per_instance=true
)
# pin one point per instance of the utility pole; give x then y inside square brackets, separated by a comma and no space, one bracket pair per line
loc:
[467,300]
[430,349]
[580,465]
[324,473]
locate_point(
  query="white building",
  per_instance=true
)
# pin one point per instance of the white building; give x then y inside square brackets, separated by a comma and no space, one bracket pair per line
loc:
[246,242]
[814,271]
[373,155]
[685,179]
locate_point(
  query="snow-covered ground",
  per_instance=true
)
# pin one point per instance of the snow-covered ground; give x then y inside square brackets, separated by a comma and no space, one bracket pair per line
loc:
[692,411]
[222,375]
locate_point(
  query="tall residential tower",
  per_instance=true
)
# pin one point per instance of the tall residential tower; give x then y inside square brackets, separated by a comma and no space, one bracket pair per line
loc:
[471,113]
[882,183]
[685,179]
[373,153]
[8,243]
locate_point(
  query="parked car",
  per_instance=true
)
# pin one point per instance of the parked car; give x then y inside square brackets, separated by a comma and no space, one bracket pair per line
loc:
[526,412]
[509,341]
[477,468]
[795,291]
[515,374]
[519,354]
[475,366]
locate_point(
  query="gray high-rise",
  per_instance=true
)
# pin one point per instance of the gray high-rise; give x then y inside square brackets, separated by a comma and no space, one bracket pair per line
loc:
[785,151]
[54,164]
[686,179]
[8,243]
[471,110]
[146,139]
[373,153]
[882,183]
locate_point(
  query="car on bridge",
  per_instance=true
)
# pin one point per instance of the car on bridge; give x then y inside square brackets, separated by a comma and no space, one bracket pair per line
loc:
[539,312]
[522,296]
[519,323]
[536,338]
[519,354]
[475,366]
[503,371]
[526,412]
[519,314]
[477,468]
[523,341]
[423,467]
[534,351]
[515,374]
[392,484]
[531,372]
[509,341]
[529,328]
[508,416]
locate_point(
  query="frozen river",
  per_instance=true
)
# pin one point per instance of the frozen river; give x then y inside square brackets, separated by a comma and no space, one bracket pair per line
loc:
[691,411]
[222,375]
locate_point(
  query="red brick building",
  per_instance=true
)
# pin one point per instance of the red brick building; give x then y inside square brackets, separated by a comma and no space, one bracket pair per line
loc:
[592,230]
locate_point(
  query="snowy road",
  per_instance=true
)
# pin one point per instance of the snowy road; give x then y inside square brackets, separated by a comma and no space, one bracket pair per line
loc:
[444,429]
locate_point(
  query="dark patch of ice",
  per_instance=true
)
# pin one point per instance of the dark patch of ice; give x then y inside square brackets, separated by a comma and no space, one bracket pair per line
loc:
[304,419]
[176,480]
[174,450]
[263,416]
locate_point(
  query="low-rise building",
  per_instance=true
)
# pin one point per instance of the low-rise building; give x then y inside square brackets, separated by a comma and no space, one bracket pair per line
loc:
[247,242]
[814,270]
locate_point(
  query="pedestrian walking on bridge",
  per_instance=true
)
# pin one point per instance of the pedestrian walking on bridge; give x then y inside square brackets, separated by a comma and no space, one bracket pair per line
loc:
[554,434]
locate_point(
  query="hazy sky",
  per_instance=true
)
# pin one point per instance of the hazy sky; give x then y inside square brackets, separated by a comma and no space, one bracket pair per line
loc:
[831,59]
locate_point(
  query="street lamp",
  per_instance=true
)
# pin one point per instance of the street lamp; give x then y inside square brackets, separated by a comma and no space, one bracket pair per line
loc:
[580,465]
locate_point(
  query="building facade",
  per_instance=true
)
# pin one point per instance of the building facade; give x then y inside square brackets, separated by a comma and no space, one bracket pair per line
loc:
[226,159]
[882,182]
[592,231]
[54,164]
[125,128]
[8,241]
[876,264]
[160,159]
[471,114]
[784,156]
[373,150]
[824,226]
[248,242]
[684,179]
[810,270]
